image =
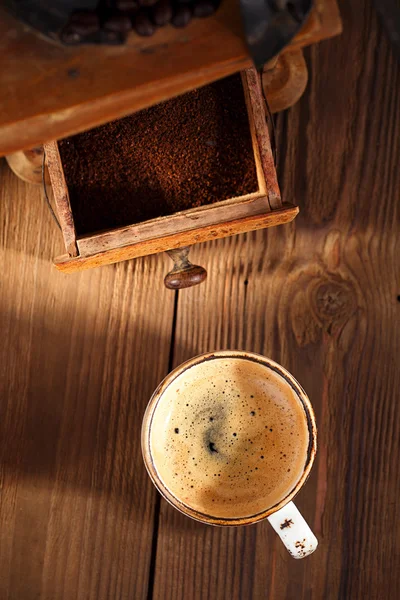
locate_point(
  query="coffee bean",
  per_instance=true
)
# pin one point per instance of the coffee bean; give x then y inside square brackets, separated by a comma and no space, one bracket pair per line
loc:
[203,8]
[70,36]
[182,16]
[84,22]
[111,37]
[147,2]
[162,13]
[118,22]
[127,5]
[142,23]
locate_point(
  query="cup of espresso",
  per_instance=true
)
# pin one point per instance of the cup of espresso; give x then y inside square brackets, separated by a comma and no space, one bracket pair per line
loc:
[229,438]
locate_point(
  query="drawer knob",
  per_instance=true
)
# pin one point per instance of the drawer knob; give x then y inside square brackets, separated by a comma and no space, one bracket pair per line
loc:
[184,274]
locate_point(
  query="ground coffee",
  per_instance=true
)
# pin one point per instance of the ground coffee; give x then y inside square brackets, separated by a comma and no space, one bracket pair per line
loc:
[189,151]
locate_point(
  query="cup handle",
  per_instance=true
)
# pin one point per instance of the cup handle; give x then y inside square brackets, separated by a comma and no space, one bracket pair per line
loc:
[293,531]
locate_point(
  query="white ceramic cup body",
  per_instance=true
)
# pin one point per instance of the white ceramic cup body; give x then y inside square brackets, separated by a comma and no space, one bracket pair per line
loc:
[283,516]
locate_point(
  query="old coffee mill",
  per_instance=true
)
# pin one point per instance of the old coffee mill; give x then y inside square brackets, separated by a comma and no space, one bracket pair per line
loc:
[198,166]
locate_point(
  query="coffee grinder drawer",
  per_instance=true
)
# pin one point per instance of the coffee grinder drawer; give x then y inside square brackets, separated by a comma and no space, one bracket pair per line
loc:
[194,168]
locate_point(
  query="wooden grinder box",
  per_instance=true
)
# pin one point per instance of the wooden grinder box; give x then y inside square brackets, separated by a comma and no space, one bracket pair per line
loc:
[191,169]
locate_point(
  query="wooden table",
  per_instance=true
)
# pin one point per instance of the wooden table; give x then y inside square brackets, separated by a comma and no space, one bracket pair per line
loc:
[81,354]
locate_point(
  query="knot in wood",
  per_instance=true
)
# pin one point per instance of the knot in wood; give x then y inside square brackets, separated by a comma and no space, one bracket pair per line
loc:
[334,303]
[332,300]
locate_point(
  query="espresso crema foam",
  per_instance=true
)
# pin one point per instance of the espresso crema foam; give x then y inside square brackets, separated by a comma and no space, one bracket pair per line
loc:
[229,438]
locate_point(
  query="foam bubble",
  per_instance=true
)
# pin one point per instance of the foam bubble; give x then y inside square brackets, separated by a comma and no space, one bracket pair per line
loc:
[234,452]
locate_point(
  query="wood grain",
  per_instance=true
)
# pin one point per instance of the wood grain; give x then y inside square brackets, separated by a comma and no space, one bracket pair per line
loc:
[192,219]
[320,296]
[176,240]
[81,355]
[79,359]
[61,197]
[260,136]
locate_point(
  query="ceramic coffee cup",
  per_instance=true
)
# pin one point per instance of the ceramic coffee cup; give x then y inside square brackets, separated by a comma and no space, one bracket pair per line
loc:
[229,438]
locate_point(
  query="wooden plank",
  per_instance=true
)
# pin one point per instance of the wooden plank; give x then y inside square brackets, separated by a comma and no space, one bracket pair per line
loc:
[76,506]
[321,296]
[262,185]
[255,106]
[178,240]
[181,222]
[61,197]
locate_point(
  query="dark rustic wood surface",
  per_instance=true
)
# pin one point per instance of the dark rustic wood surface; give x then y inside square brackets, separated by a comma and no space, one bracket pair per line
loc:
[79,358]
[81,354]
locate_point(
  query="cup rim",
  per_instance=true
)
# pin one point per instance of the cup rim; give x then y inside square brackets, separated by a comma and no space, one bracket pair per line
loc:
[148,417]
